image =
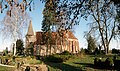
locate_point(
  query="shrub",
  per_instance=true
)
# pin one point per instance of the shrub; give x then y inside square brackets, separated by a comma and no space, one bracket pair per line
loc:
[65,57]
[66,53]
[97,61]
[109,62]
[117,64]
[52,58]
[57,58]
[115,51]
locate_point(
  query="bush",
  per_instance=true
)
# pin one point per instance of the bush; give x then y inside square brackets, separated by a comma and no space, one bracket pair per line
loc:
[57,58]
[109,62]
[52,58]
[66,53]
[115,51]
[65,57]
[97,61]
[117,64]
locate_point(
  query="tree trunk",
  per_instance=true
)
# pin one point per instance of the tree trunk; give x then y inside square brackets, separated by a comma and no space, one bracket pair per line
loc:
[106,49]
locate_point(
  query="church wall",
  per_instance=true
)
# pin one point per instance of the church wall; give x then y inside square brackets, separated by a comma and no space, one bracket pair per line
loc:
[71,46]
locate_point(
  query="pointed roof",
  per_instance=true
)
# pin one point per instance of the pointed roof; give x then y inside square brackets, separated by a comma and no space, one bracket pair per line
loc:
[41,40]
[30,29]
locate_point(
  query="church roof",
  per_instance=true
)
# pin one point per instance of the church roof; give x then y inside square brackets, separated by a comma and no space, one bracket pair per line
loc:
[55,36]
[30,29]
[71,35]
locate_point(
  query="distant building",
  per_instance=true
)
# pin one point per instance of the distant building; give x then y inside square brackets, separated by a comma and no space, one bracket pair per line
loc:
[68,42]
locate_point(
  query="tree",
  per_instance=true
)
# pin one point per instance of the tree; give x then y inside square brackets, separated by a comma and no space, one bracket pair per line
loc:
[91,44]
[30,49]
[19,47]
[14,25]
[104,23]
[9,4]
[50,15]
[102,13]
[49,20]
[75,9]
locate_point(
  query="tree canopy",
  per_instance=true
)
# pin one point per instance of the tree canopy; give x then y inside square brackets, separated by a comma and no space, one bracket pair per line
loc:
[19,47]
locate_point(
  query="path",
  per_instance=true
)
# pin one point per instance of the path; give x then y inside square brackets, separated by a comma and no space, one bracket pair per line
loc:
[41,67]
[6,65]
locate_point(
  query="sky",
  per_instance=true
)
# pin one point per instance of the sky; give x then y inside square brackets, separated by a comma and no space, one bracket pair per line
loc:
[37,17]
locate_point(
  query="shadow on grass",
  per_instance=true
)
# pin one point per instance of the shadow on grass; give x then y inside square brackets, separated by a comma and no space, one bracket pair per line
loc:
[100,67]
[86,64]
[63,66]
[102,56]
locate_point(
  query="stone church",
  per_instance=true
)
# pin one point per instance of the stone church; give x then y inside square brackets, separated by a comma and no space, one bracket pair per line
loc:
[68,42]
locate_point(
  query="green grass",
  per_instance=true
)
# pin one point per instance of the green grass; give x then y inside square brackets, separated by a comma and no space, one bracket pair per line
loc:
[77,63]
[2,68]
[34,61]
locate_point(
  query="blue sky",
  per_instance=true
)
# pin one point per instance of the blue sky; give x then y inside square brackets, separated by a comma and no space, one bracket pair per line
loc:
[36,17]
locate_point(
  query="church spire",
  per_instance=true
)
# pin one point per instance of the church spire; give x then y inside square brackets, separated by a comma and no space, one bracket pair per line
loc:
[30,29]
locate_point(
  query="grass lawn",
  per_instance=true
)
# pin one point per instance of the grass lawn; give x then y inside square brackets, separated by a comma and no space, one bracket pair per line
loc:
[2,68]
[77,63]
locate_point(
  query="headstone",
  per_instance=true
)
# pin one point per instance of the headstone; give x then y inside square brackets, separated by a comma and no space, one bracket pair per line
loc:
[27,68]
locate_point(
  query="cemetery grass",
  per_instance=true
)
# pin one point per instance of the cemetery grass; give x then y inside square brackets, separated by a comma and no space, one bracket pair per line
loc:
[3,68]
[77,63]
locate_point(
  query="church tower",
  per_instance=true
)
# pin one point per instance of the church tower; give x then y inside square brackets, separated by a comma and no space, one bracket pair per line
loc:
[30,36]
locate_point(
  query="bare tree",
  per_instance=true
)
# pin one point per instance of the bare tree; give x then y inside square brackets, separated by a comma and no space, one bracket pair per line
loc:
[103,21]
[13,26]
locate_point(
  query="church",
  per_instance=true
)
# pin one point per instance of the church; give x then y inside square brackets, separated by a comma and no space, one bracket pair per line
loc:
[58,44]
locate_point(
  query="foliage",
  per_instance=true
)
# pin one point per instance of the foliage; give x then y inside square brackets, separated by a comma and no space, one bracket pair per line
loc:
[49,15]
[109,62]
[19,47]
[72,10]
[91,44]
[58,58]
[49,21]
[54,59]
[115,51]
[82,50]
[9,4]
[117,64]
[97,61]
[30,49]
[65,53]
